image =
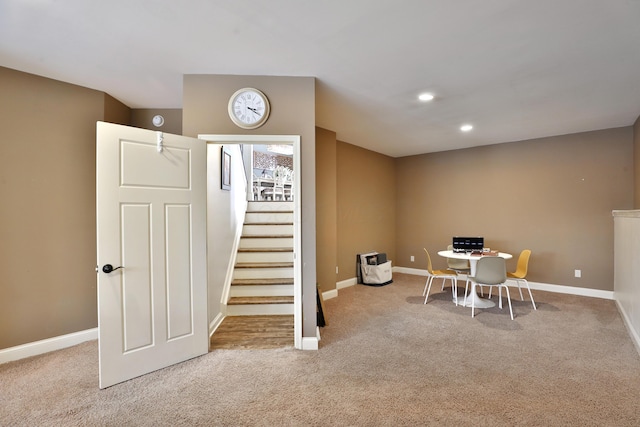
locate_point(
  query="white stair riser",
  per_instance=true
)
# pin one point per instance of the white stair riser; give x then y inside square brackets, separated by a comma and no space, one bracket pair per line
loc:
[262,273]
[274,226]
[259,309]
[266,230]
[270,206]
[268,217]
[261,291]
[263,242]
[264,257]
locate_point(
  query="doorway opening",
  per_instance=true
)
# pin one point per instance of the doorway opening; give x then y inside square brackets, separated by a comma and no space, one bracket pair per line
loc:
[286,169]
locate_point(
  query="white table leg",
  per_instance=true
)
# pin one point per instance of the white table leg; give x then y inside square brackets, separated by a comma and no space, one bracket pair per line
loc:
[477,300]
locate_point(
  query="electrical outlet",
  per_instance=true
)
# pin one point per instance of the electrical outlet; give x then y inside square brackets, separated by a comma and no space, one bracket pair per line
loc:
[336,269]
[578,273]
[412,258]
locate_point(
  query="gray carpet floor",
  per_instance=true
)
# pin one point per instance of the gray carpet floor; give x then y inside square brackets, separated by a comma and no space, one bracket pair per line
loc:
[385,359]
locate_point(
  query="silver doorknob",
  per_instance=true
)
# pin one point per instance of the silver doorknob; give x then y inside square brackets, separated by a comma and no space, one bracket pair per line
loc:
[108,268]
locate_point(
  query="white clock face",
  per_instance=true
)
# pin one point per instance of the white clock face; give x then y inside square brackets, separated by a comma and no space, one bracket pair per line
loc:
[249,108]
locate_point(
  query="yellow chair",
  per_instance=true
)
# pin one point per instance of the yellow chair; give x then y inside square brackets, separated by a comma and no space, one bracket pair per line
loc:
[460,266]
[521,273]
[439,274]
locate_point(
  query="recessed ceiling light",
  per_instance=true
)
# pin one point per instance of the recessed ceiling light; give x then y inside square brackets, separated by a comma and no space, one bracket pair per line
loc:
[466,128]
[425,97]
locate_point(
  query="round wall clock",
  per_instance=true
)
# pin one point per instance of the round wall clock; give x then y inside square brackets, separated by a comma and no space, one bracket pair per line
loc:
[249,108]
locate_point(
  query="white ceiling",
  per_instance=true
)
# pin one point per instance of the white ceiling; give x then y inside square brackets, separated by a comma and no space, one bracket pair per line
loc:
[515,69]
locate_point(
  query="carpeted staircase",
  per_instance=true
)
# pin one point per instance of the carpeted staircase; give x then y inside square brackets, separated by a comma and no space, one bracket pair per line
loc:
[263,282]
[263,275]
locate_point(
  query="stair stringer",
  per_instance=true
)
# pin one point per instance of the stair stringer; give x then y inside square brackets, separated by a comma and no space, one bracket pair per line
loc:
[232,262]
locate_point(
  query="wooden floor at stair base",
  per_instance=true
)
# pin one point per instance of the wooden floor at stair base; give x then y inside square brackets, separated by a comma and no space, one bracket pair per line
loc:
[253,332]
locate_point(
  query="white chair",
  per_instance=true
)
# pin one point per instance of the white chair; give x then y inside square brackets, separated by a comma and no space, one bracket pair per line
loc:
[256,188]
[277,191]
[460,266]
[439,274]
[288,190]
[490,271]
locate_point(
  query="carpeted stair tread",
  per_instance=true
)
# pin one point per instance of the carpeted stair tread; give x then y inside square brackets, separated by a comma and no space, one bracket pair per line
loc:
[267,236]
[253,282]
[269,212]
[267,223]
[269,249]
[260,300]
[264,265]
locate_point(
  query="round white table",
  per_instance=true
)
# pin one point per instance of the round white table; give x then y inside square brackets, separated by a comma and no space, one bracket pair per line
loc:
[473,260]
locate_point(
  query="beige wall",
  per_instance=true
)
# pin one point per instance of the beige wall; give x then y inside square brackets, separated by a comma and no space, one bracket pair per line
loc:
[366,207]
[553,196]
[292,101]
[141,118]
[47,208]
[47,193]
[115,111]
[326,206]
[636,157]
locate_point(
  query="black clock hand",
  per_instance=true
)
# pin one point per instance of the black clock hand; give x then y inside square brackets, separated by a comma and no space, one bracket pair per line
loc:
[254,111]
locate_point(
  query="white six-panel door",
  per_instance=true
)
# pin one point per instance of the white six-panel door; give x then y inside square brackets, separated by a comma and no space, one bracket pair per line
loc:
[151,221]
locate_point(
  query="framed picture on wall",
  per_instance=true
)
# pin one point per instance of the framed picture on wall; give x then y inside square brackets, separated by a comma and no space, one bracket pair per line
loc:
[225,178]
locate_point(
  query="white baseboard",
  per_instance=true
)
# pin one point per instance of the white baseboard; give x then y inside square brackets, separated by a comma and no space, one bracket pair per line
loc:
[407,270]
[346,283]
[571,290]
[329,294]
[215,323]
[333,293]
[309,343]
[44,346]
[635,337]
[562,289]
